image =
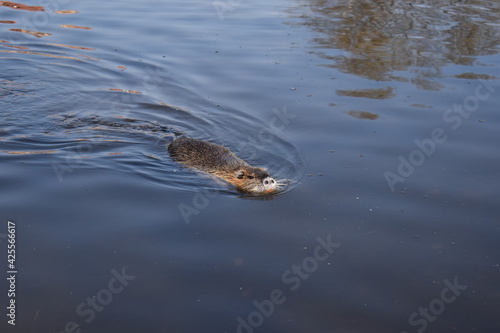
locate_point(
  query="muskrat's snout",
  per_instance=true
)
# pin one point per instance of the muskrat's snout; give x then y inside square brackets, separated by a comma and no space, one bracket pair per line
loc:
[269,183]
[268,186]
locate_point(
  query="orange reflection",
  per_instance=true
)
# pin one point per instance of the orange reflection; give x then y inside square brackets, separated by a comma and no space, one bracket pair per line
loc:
[14,5]
[126,91]
[29,152]
[72,47]
[34,33]
[42,54]
[66,12]
[91,58]
[17,47]
[7,22]
[74,26]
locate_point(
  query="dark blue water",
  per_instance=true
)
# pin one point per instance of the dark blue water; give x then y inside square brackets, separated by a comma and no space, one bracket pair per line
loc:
[382,116]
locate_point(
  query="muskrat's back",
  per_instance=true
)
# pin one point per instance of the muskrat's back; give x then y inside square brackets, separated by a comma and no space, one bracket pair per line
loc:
[223,163]
[204,155]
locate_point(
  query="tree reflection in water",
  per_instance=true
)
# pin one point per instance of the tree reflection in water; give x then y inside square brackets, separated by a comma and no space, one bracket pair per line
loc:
[378,38]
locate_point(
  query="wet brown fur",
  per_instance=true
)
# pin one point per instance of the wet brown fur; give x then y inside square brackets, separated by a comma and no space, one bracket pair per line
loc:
[218,161]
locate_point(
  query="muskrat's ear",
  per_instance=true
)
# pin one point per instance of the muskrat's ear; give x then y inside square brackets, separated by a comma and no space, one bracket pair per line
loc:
[240,174]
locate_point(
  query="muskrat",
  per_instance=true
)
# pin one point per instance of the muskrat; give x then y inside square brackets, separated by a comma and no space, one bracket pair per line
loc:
[223,163]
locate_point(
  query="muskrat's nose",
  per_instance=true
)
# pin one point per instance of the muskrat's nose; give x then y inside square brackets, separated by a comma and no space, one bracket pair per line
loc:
[269,181]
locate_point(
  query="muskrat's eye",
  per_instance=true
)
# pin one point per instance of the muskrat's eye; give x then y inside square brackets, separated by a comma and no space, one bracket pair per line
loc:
[251,177]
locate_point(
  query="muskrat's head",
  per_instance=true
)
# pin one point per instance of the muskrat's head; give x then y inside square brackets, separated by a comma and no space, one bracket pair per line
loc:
[256,181]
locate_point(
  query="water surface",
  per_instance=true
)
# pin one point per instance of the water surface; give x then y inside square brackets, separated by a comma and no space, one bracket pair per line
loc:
[382,114]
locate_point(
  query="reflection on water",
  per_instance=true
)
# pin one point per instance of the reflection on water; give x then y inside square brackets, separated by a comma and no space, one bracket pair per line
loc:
[20,44]
[15,5]
[34,33]
[72,47]
[40,54]
[378,38]
[125,91]
[475,76]
[383,93]
[363,115]
[39,34]
[71,26]
[65,12]
[29,152]
[17,47]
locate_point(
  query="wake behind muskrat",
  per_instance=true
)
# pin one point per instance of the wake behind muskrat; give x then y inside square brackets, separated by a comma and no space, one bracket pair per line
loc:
[223,163]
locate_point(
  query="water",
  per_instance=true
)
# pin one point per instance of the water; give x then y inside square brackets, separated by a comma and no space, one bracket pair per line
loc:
[383,116]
